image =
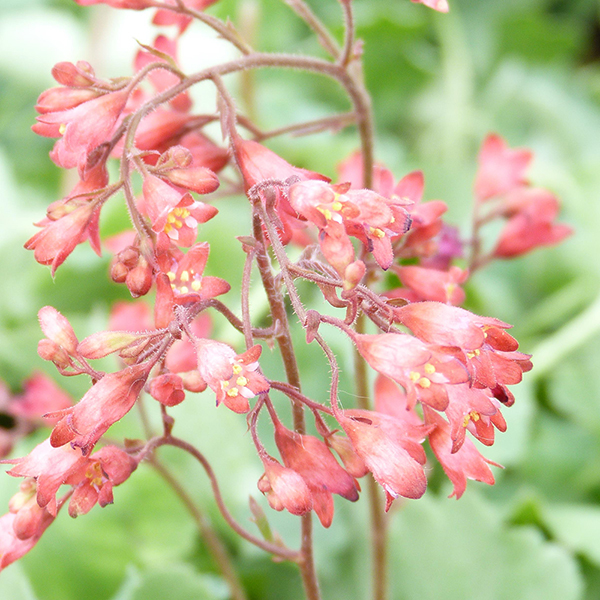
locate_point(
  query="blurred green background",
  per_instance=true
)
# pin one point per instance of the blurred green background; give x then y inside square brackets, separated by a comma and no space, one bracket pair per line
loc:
[527,69]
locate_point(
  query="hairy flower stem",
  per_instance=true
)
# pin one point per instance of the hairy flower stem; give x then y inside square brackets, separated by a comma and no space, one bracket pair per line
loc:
[275,549]
[377,515]
[284,340]
[216,547]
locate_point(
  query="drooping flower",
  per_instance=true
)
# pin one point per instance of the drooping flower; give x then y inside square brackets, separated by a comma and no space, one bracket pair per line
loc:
[423,371]
[439,5]
[465,463]
[531,223]
[257,165]
[181,280]
[92,477]
[21,530]
[432,284]
[501,169]
[391,450]
[312,459]
[174,212]
[106,402]
[284,488]
[58,238]
[83,128]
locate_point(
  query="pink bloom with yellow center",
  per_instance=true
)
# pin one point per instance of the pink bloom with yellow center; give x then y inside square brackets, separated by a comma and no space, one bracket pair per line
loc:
[233,377]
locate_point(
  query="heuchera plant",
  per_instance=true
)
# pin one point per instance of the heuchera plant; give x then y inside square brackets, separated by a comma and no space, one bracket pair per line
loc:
[442,372]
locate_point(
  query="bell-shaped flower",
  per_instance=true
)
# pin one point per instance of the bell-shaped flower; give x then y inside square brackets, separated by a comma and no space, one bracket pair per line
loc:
[324,476]
[92,478]
[284,488]
[432,284]
[163,79]
[167,389]
[465,463]
[472,409]
[391,450]
[58,238]
[182,281]
[501,169]
[258,164]
[531,223]
[83,128]
[423,371]
[105,403]
[12,545]
[233,377]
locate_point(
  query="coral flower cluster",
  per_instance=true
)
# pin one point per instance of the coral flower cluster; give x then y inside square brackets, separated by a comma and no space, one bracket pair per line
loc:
[443,373]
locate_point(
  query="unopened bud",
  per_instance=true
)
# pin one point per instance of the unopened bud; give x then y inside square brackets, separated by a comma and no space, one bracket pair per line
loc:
[139,280]
[118,272]
[167,389]
[175,157]
[353,274]
[49,350]
[80,75]
[192,381]
[57,328]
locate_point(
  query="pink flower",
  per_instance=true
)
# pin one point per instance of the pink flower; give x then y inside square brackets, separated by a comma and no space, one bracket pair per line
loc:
[340,212]
[391,450]
[58,238]
[167,389]
[501,168]
[40,396]
[258,164]
[472,409]
[433,284]
[167,17]
[92,478]
[13,546]
[181,281]
[57,328]
[106,402]
[284,488]
[530,224]
[233,377]
[312,459]
[425,372]
[83,128]
[465,463]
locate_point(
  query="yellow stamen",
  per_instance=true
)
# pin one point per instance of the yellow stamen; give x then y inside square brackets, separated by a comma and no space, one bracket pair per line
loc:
[337,205]
[233,392]
[414,376]
[376,232]
[424,382]
[196,285]
[62,128]
[184,289]
[429,368]
[171,276]
[185,276]
[237,369]
[241,381]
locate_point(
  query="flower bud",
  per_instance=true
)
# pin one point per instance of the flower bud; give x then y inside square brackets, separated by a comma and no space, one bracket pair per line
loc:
[80,75]
[139,280]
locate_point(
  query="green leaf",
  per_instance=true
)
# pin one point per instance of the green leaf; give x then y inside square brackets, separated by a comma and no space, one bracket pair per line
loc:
[448,549]
[14,584]
[577,527]
[176,582]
